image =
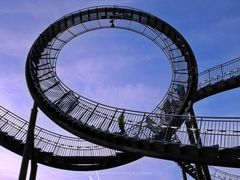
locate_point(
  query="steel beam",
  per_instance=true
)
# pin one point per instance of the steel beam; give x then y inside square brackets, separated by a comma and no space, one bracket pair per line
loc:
[28,148]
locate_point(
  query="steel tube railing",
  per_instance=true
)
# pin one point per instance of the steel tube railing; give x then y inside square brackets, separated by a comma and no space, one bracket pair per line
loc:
[218,73]
[221,131]
[48,141]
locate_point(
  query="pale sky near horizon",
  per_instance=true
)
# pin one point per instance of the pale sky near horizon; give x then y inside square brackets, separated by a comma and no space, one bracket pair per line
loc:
[127,71]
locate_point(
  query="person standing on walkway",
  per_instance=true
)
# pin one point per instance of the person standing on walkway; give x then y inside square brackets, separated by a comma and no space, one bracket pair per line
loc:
[121,123]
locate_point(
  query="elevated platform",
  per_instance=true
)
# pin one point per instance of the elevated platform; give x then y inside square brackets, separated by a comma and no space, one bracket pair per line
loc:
[57,150]
[168,132]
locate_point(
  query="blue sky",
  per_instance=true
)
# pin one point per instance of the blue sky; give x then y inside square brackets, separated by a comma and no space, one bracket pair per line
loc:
[115,67]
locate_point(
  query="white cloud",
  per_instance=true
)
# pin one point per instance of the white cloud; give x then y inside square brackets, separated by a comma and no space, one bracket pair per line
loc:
[129,96]
[97,80]
[90,71]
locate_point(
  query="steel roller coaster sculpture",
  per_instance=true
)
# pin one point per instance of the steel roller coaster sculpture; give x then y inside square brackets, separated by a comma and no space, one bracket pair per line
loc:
[171,131]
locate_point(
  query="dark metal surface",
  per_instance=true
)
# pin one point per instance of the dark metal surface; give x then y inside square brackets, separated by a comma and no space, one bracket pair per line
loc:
[17,128]
[29,145]
[47,89]
[73,153]
[97,122]
[221,78]
[219,73]
[156,134]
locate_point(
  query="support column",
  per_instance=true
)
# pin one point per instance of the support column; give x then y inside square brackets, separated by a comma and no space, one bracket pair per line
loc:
[34,167]
[29,145]
[184,175]
[200,174]
[194,138]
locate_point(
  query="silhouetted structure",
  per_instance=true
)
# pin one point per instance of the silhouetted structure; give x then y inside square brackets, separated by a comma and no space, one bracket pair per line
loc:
[171,131]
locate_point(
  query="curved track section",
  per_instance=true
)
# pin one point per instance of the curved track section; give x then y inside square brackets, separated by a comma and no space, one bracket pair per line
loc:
[13,134]
[48,90]
[220,78]
[157,134]
[212,81]
[57,150]
[86,20]
[62,154]
[217,174]
[61,151]
[146,133]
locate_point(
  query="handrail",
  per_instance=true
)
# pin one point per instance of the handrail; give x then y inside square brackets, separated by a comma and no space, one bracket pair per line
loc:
[219,174]
[47,140]
[218,73]
[175,49]
[210,128]
[105,6]
[166,123]
[221,65]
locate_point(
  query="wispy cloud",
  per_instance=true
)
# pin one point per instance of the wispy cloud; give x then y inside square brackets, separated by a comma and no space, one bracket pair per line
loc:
[116,71]
[101,80]
[131,96]
[9,165]
[14,43]
[13,93]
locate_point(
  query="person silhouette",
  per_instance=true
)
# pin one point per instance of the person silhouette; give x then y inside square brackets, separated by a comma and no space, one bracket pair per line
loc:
[121,123]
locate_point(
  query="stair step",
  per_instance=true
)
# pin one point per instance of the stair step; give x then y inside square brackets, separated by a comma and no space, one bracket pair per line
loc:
[2,135]
[232,81]
[93,131]
[72,122]
[191,170]
[60,159]
[221,84]
[111,137]
[238,78]
[158,146]
[7,138]
[189,149]
[18,143]
[201,92]
[208,88]
[37,151]
[210,152]
[120,139]
[230,153]
[47,156]
[80,128]
[100,134]
[143,144]
[132,142]
[173,148]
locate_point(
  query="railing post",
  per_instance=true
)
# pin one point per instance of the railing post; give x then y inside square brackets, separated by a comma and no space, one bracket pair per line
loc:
[15,135]
[109,125]
[166,133]
[209,76]
[199,143]
[141,125]
[28,148]
[56,143]
[222,71]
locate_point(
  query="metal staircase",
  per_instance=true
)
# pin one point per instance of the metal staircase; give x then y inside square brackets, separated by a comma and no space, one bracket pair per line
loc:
[57,150]
[171,131]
